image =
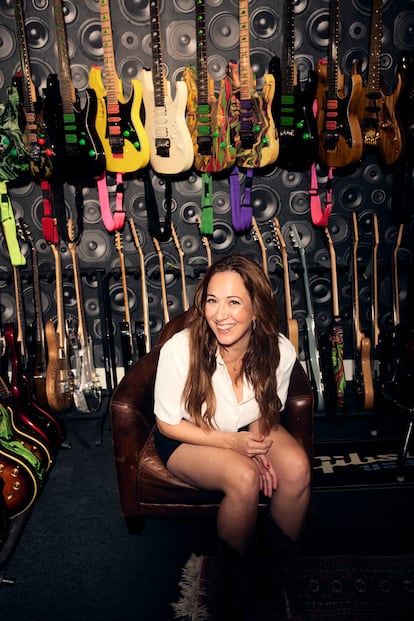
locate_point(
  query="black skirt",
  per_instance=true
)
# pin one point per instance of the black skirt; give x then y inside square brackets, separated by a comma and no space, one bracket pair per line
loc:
[165,446]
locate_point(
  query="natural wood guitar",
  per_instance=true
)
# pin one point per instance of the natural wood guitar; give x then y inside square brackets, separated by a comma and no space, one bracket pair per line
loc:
[59,376]
[127,342]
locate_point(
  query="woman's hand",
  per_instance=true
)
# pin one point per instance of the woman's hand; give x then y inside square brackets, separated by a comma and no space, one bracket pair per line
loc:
[268,479]
[250,444]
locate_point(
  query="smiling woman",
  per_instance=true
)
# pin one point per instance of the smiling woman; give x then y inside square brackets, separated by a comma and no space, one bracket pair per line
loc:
[220,387]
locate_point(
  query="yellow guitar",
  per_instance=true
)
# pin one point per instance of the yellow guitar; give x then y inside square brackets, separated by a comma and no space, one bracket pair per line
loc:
[118,120]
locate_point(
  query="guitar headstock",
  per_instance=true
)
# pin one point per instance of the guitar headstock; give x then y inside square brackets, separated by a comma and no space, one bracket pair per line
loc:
[176,240]
[257,236]
[277,234]
[118,241]
[206,243]
[24,232]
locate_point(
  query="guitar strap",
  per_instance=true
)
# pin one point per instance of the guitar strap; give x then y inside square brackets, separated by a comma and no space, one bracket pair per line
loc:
[320,215]
[207,215]
[241,210]
[154,225]
[112,221]
[60,211]
[9,227]
[49,224]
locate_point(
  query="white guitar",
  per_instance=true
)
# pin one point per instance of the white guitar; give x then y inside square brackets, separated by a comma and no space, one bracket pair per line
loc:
[171,146]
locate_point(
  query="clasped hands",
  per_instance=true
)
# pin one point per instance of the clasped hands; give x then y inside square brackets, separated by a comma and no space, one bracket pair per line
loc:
[256,446]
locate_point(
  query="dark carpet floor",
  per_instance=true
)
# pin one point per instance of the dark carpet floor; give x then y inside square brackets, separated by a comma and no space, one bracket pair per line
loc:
[75,559]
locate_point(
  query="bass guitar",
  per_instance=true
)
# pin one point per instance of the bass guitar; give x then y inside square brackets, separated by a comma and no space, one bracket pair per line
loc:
[377,110]
[208,114]
[79,152]
[253,130]
[171,145]
[87,391]
[292,106]
[340,135]
[292,324]
[59,376]
[118,120]
[313,360]
[14,157]
[40,149]
[362,350]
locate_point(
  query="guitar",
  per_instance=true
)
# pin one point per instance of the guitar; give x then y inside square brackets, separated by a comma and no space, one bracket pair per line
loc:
[377,110]
[20,470]
[14,157]
[253,130]
[79,152]
[59,376]
[41,151]
[340,135]
[184,297]
[257,236]
[36,345]
[87,391]
[362,367]
[292,106]
[118,120]
[313,360]
[375,331]
[334,381]
[292,324]
[171,145]
[146,334]
[127,344]
[162,279]
[208,114]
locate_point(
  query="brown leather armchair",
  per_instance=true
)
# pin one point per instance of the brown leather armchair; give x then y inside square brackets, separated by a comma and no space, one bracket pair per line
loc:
[146,487]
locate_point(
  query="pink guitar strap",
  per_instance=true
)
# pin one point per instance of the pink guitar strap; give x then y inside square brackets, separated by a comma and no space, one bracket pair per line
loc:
[9,227]
[112,221]
[49,222]
[241,210]
[320,215]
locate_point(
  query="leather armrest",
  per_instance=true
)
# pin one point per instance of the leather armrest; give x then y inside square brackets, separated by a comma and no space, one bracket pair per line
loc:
[297,417]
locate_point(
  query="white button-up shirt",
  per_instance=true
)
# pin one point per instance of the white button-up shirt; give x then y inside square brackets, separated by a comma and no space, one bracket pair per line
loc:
[230,415]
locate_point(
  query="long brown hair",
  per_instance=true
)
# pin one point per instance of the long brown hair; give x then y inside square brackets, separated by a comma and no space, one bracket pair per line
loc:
[261,358]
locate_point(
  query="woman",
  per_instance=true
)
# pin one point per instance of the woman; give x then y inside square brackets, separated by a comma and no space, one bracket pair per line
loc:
[220,386]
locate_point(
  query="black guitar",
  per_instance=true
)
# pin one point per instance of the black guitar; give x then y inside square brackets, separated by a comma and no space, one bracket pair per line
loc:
[292,106]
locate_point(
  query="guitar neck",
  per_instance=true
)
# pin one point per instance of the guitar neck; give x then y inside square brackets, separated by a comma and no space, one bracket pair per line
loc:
[118,242]
[82,332]
[357,328]
[67,90]
[333,60]
[162,279]
[395,281]
[334,274]
[60,309]
[180,251]
[144,293]
[246,74]
[158,75]
[28,87]
[288,49]
[21,323]
[374,63]
[111,77]
[285,264]
[374,295]
[201,61]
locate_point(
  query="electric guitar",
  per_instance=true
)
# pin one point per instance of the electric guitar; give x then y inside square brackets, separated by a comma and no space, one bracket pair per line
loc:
[14,157]
[184,297]
[292,106]
[313,360]
[375,331]
[87,391]
[377,110]
[127,343]
[79,152]
[59,376]
[340,135]
[208,114]
[162,279]
[171,146]
[118,120]
[253,129]
[36,345]
[292,324]
[333,358]
[362,352]
[257,236]
[41,151]
[144,344]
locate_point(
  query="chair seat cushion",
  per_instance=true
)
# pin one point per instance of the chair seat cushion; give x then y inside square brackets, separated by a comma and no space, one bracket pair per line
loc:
[158,486]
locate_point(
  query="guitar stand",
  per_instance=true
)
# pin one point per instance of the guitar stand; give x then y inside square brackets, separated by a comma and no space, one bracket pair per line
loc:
[408,410]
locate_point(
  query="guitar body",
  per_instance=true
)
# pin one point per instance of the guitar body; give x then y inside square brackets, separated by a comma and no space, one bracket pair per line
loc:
[253,132]
[59,378]
[21,487]
[213,151]
[366,372]
[14,158]
[340,143]
[297,129]
[87,388]
[171,146]
[380,127]
[293,333]
[122,154]
[79,153]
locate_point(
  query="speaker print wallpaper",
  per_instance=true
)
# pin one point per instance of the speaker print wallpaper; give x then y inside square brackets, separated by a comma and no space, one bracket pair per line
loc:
[287,43]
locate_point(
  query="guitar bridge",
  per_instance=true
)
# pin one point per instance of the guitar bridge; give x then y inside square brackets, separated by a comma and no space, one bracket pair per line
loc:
[205,145]
[162,146]
[117,145]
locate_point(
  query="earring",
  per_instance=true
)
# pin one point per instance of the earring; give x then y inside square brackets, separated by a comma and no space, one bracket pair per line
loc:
[254,325]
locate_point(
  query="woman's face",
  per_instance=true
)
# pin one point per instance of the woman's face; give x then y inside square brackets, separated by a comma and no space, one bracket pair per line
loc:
[229,310]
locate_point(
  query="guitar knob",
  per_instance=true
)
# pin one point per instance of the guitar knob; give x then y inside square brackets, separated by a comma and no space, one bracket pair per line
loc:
[136,144]
[92,153]
[126,133]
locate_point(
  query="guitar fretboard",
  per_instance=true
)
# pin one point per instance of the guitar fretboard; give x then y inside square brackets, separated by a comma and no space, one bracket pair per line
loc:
[374,68]
[66,86]
[246,75]
[109,57]
[202,71]
[333,72]
[156,48]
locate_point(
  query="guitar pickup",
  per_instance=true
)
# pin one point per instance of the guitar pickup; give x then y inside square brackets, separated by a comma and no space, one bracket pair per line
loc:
[205,145]
[162,146]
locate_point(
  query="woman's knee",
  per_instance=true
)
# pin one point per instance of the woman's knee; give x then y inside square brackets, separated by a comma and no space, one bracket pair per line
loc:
[296,469]
[244,480]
